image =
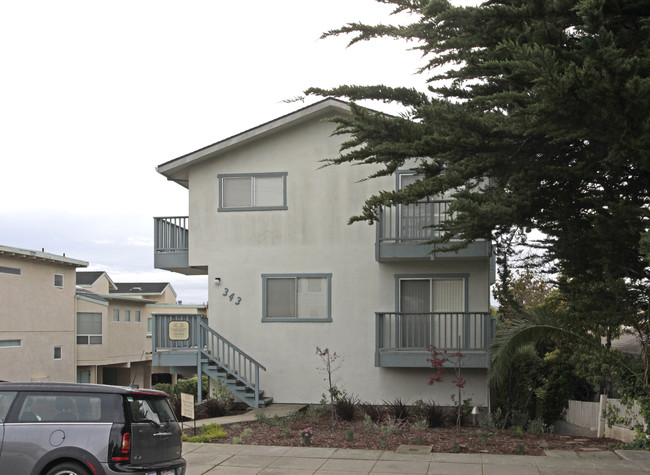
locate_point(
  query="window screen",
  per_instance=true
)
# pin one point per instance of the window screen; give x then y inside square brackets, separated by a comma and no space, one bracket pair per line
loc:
[254,191]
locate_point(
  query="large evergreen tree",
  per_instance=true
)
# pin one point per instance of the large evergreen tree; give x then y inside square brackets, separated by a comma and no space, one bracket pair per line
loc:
[549,99]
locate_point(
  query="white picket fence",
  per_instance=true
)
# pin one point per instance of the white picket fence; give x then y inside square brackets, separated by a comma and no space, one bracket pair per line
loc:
[591,415]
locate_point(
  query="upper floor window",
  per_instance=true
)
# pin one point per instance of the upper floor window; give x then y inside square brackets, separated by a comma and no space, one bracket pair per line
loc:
[127,316]
[253,191]
[10,270]
[10,343]
[89,328]
[299,297]
[116,314]
[138,317]
[58,281]
[58,353]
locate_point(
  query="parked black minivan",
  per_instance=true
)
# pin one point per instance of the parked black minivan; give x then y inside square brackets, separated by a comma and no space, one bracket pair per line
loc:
[87,429]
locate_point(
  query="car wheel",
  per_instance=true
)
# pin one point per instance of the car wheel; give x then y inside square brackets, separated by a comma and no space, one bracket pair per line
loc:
[68,468]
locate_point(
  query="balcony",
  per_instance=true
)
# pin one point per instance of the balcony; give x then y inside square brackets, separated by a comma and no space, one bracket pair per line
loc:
[401,339]
[171,246]
[403,232]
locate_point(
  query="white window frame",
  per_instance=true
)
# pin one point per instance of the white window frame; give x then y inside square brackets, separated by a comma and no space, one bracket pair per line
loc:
[116,315]
[59,286]
[127,316]
[328,283]
[138,316]
[60,351]
[252,177]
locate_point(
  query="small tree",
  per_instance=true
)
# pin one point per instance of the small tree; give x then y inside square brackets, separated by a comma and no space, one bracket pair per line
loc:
[438,360]
[330,363]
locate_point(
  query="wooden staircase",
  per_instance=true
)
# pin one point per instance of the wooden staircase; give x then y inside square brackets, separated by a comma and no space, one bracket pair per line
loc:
[205,351]
[235,385]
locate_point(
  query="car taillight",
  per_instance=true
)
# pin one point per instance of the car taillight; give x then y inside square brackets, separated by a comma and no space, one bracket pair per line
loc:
[122,451]
[126,444]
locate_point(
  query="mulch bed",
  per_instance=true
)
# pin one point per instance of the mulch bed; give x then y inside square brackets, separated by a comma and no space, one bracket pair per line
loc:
[357,435]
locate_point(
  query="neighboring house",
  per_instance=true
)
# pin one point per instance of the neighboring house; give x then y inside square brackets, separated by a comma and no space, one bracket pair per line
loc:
[114,328]
[60,324]
[268,225]
[37,307]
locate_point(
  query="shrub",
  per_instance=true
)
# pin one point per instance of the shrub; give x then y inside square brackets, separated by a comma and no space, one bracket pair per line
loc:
[398,409]
[175,403]
[188,386]
[376,413]
[166,387]
[433,414]
[346,407]
[518,418]
[420,425]
[211,408]
[209,433]
[537,427]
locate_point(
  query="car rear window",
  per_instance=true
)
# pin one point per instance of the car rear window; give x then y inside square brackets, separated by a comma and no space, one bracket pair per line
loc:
[70,407]
[148,408]
[6,398]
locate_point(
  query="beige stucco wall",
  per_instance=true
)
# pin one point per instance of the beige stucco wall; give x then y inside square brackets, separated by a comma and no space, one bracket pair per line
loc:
[312,236]
[39,314]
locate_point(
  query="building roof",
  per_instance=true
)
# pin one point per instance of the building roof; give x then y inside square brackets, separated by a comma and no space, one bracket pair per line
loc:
[88,295]
[177,169]
[41,256]
[141,288]
[89,278]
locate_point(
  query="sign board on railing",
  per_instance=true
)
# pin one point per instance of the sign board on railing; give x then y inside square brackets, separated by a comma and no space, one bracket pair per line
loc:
[179,330]
[187,405]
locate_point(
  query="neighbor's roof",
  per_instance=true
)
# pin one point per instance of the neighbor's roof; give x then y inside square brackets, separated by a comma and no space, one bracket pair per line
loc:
[88,278]
[84,294]
[177,169]
[141,288]
[41,256]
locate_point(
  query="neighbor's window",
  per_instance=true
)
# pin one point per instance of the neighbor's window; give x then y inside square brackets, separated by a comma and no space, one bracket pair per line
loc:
[116,314]
[58,280]
[256,191]
[57,352]
[10,343]
[149,325]
[300,297]
[9,270]
[127,316]
[89,328]
[138,317]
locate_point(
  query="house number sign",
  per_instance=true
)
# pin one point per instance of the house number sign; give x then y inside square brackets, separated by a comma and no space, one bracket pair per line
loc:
[231,296]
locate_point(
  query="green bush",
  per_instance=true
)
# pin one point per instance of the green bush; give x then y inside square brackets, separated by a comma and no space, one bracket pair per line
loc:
[209,433]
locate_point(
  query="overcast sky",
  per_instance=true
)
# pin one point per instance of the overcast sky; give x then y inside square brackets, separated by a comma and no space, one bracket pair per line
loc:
[95,94]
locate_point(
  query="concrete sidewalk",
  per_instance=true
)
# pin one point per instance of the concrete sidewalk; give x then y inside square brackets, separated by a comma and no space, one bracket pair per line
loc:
[212,459]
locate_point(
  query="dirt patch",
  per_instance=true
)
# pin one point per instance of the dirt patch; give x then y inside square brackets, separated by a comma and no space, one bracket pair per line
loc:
[358,434]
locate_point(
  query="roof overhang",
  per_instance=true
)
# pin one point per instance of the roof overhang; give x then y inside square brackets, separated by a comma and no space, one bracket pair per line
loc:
[41,256]
[177,169]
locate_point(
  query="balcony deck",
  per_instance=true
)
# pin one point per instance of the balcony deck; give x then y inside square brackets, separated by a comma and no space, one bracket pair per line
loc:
[405,232]
[171,246]
[401,339]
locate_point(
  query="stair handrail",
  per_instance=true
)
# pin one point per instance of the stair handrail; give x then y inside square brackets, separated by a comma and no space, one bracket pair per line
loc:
[235,371]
